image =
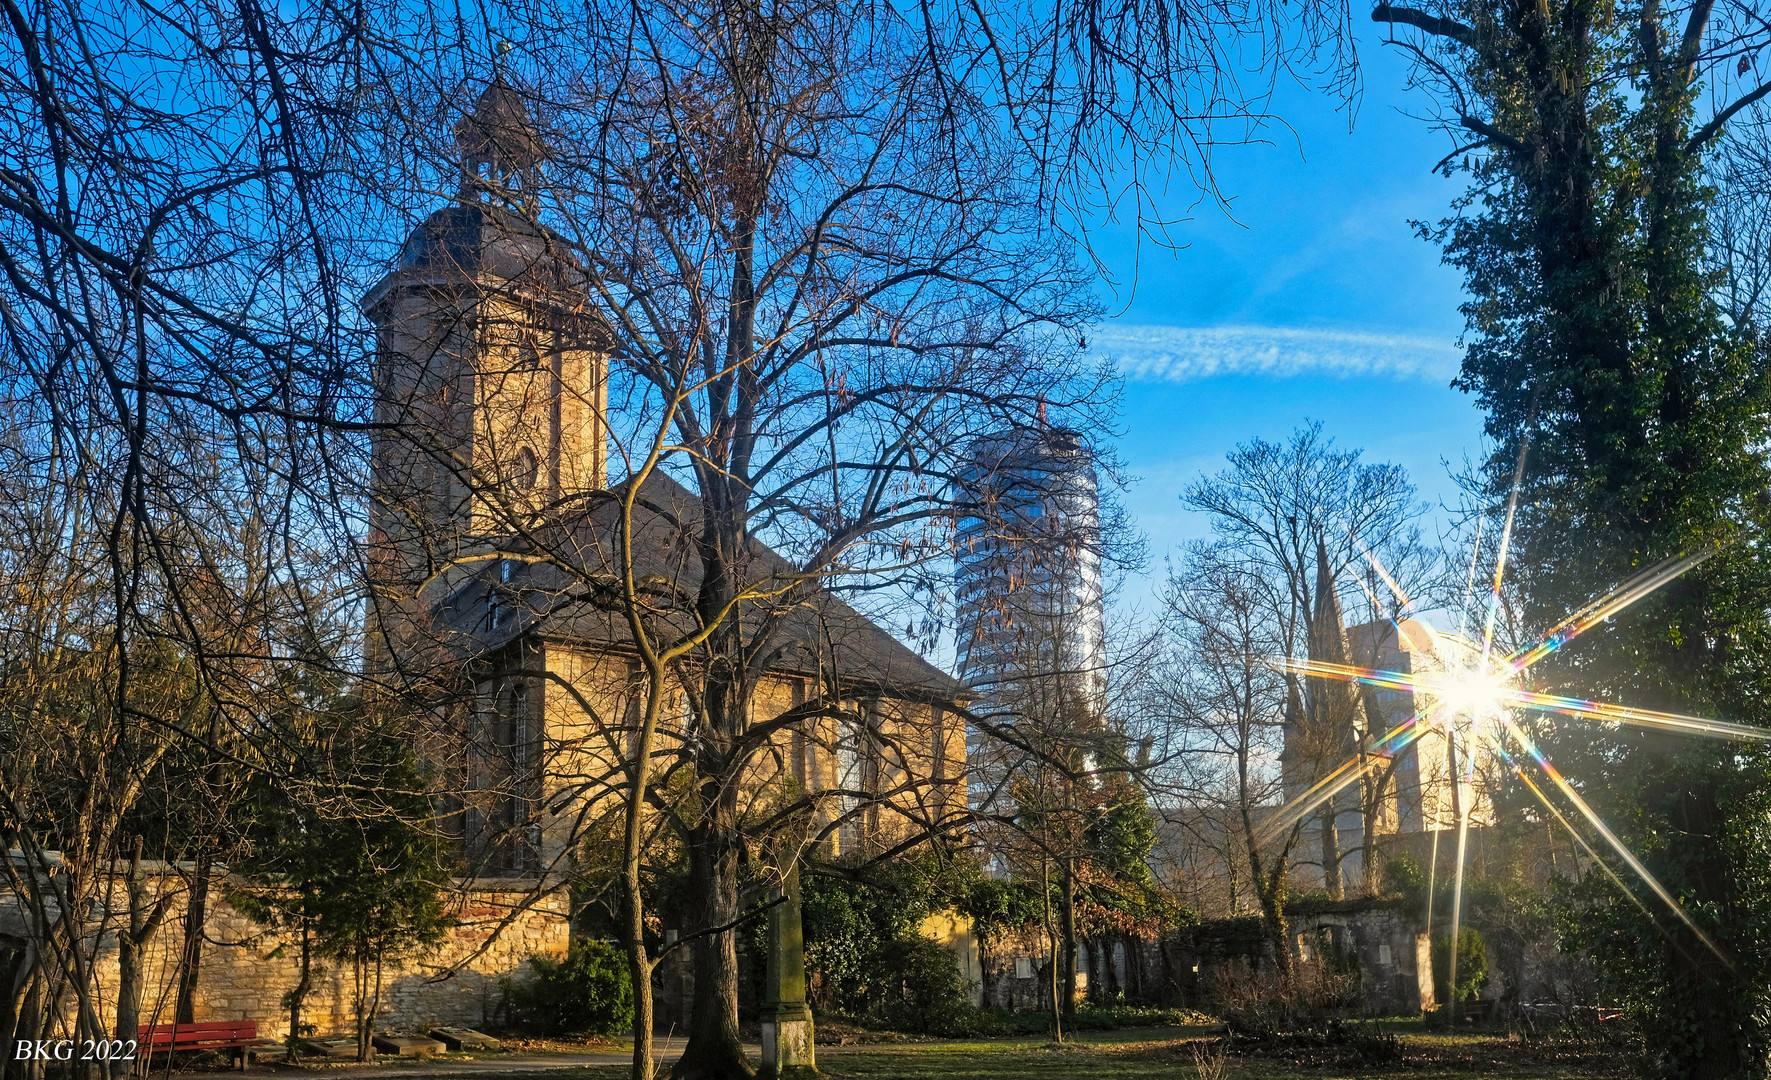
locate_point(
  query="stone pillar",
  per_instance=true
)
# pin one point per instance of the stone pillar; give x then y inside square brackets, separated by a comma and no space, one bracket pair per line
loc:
[787,1021]
[1423,973]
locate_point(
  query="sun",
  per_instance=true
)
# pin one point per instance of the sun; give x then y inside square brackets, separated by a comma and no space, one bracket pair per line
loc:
[1470,696]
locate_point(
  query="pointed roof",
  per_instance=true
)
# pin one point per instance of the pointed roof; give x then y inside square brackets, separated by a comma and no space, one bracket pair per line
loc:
[500,132]
[1328,640]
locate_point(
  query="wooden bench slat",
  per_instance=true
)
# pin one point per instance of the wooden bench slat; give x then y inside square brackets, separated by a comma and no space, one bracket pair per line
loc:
[211,1035]
[237,1035]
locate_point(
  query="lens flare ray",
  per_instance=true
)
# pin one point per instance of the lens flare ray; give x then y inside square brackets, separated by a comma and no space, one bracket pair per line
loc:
[1472,704]
[1592,855]
[1384,747]
[1599,826]
[1499,694]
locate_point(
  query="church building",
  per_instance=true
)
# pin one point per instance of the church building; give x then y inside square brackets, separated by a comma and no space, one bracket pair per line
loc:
[493,557]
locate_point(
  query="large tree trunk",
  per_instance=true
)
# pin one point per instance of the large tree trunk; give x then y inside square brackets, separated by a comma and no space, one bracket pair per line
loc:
[1278,933]
[1376,789]
[132,942]
[714,1051]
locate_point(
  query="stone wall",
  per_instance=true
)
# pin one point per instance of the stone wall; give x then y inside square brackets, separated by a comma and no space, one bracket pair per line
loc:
[1379,937]
[246,970]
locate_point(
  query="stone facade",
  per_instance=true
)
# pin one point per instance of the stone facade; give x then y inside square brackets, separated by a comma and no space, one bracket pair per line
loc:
[1378,937]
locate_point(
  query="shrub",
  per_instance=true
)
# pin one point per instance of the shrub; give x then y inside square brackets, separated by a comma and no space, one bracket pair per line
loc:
[918,988]
[1472,965]
[1405,878]
[1259,1003]
[587,993]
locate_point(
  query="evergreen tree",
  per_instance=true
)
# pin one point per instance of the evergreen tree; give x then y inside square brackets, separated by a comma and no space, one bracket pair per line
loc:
[345,862]
[1594,337]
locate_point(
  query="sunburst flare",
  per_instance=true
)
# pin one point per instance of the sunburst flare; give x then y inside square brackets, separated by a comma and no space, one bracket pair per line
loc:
[1474,703]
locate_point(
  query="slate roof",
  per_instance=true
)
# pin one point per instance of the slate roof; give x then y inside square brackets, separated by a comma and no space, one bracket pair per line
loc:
[819,635]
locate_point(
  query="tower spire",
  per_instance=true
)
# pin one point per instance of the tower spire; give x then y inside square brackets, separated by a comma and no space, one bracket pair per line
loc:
[499,136]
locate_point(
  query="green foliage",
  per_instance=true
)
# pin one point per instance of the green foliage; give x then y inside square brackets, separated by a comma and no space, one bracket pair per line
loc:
[590,992]
[1405,877]
[356,879]
[865,956]
[999,906]
[1472,965]
[917,987]
[1120,839]
[1630,955]
[1594,332]
[364,877]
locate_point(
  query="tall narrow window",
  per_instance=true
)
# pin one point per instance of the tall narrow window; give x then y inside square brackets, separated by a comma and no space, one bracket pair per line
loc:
[514,735]
[527,470]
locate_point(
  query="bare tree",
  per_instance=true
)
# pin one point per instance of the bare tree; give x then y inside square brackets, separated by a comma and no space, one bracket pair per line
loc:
[815,282]
[1222,690]
[1303,514]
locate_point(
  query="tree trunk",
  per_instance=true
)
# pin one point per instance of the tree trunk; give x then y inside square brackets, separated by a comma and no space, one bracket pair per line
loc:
[195,919]
[297,995]
[1274,923]
[1067,923]
[1051,944]
[374,1003]
[131,963]
[1331,851]
[714,1051]
[27,1014]
[1371,814]
[639,968]
[639,963]
[360,975]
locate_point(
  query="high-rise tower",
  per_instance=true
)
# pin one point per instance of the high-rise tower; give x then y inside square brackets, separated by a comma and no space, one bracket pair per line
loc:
[1030,626]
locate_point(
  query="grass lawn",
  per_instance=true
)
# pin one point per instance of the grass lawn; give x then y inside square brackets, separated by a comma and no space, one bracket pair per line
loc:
[1168,1053]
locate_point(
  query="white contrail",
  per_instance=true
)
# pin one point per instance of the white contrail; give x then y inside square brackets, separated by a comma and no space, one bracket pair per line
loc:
[1149,353]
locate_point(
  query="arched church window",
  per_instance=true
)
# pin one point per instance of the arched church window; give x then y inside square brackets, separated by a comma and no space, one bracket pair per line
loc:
[527,471]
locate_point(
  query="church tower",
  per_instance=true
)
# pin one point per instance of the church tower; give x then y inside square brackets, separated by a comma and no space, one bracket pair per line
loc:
[490,372]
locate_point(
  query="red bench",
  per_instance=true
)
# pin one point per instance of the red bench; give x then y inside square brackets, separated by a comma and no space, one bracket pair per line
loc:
[236,1035]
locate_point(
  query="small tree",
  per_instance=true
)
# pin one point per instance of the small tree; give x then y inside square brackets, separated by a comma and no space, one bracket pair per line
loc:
[358,878]
[587,993]
[1472,967]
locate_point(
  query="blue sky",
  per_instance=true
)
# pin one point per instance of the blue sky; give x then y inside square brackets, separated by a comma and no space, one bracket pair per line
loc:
[1311,299]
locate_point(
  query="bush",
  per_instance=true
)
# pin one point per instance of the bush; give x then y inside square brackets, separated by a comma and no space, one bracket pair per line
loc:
[918,988]
[1405,878]
[1472,965]
[588,993]
[1261,1003]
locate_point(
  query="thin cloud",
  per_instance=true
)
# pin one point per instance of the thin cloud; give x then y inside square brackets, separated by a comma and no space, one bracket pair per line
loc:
[1183,353]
